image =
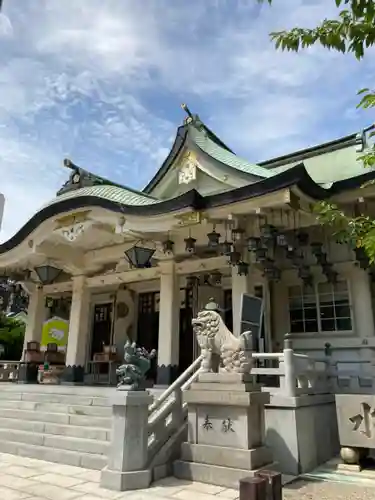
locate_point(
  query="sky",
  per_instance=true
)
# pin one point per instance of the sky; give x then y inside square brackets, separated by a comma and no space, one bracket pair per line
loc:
[101,82]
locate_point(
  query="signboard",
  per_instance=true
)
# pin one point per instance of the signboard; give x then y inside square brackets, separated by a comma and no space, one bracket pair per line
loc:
[55,331]
[252,318]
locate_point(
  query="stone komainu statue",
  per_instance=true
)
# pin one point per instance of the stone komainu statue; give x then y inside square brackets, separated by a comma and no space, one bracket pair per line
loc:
[221,350]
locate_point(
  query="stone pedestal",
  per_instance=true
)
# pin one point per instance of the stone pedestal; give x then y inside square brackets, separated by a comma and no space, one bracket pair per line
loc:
[225,430]
[356,425]
[127,456]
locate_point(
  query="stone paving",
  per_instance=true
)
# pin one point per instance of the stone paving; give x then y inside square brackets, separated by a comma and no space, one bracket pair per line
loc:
[31,479]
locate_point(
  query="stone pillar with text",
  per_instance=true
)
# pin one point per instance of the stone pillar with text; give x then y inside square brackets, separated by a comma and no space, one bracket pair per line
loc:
[78,332]
[225,430]
[169,325]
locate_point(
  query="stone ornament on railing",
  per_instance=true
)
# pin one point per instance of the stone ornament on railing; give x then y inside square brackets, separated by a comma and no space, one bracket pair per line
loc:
[137,362]
[221,350]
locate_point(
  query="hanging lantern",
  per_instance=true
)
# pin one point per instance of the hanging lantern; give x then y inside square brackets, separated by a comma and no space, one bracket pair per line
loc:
[303,238]
[252,243]
[290,252]
[168,246]
[242,268]
[267,232]
[234,257]
[298,258]
[190,244]
[213,239]
[206,279]
[47,274]
[271,272]
[237,233]
[281,240]
[216,278]
[139,257]
[316,248]
[226,247]
[261,254]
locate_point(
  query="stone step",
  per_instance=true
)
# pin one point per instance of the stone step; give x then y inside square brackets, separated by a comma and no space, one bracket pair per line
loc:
[60,456]
[56,429]
[77,409]
[57,418]
[54,441]
[67,399]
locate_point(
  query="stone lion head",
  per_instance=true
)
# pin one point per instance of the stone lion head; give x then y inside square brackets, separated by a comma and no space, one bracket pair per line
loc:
[207,323]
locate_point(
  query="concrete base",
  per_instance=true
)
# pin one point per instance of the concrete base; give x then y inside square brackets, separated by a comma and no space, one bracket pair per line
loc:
[213,474]
[301,431]
[124,481]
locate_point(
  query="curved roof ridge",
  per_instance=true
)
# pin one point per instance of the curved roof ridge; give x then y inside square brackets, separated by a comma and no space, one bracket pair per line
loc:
[226,156]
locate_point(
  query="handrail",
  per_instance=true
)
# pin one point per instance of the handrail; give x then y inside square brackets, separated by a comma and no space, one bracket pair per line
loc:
[176,385]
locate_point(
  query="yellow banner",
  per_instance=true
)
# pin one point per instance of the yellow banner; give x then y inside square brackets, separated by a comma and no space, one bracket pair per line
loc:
[55,331]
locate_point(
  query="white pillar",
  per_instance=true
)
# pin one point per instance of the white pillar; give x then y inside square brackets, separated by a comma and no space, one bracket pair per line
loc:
[78,331]
[36,315]
[240,285]
[169,325]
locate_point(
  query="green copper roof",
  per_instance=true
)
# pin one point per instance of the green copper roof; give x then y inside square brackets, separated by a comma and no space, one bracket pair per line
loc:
[108,192]
[225,156]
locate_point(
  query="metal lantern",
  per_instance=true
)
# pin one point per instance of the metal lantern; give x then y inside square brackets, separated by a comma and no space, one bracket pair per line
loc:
[226,247]
[316,248]
[268,232]
[237,233]
[168,246]
[252,243]
[213,239]
[216,278]
[290,252]
[47,274]
[190,244]
[139,257]
[234,257]
[271,272]
[281,240]
[242,268]
[261,254]
[303,238]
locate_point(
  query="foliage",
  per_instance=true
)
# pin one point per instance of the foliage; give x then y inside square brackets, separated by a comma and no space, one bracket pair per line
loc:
[12,334]
[352,32]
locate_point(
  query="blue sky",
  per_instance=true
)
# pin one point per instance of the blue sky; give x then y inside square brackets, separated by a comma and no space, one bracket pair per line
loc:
[101,82]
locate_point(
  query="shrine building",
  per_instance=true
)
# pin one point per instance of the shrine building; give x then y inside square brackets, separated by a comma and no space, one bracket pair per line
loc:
[104,262]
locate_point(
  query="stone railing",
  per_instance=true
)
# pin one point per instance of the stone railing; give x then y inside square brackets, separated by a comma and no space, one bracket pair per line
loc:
[352,377]
[167,420]
[9,371]
[296,374]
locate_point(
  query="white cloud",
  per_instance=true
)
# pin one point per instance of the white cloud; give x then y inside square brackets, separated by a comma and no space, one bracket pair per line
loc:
[100,81]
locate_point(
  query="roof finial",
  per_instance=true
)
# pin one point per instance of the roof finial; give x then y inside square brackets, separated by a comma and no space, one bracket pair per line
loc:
[190,116]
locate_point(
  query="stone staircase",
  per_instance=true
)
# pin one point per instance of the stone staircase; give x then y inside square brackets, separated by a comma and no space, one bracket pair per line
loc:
[67,425]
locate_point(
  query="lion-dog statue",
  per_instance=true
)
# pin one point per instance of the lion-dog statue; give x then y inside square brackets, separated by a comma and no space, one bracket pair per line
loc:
[221,350]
